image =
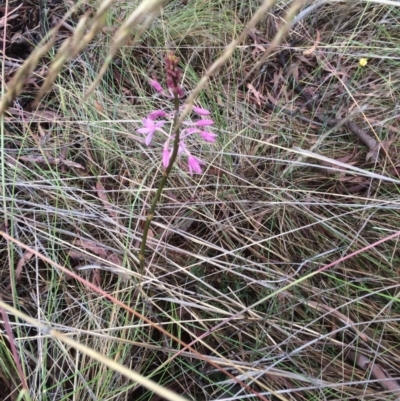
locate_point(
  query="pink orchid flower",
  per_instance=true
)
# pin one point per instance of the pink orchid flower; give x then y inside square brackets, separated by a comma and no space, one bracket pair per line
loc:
[150,127]
[194,164]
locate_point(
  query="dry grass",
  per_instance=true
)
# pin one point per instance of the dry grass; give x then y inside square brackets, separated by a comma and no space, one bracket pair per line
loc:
[235,262]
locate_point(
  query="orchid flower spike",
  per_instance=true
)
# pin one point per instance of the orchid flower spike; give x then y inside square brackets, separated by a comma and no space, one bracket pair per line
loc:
[157,119]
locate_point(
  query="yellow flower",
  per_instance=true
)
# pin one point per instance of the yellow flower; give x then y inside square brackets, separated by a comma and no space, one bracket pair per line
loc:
[363,62]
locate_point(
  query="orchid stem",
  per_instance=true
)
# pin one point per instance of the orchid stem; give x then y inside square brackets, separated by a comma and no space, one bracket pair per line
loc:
[161,185]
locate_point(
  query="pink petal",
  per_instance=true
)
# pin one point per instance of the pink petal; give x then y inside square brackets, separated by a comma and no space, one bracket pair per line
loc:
[144,130]
[200,111]
[194,165]
[148,123]
[159,124]
[208,136]
[156,85]
[149,138]
[204,123]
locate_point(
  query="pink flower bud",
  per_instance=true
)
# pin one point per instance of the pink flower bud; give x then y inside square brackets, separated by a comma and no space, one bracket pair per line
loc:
[150,127]
[179,91]
[156,114]
[200,111]
[156,85]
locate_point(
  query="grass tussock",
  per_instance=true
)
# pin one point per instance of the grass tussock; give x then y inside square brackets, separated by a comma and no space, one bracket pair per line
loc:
[272,275]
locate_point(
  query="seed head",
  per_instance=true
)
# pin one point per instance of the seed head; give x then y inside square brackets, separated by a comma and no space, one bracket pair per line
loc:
[173,74]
